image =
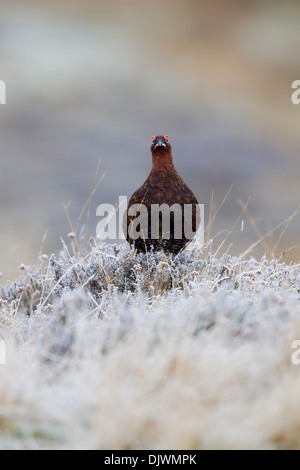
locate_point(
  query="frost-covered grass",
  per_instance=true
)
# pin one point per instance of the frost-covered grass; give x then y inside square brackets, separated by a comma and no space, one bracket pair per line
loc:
[110,350]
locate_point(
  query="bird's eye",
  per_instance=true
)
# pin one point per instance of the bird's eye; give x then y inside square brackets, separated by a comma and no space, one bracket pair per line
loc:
[166,137]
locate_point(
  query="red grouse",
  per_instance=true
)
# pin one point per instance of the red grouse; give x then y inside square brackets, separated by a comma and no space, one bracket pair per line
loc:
[163,214]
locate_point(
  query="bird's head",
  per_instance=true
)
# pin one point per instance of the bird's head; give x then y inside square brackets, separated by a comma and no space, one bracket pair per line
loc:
[160,144]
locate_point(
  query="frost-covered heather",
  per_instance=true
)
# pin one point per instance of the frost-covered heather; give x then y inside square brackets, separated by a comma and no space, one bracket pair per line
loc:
[109,350]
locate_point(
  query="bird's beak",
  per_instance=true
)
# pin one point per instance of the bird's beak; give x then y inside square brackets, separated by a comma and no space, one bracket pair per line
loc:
[160,144]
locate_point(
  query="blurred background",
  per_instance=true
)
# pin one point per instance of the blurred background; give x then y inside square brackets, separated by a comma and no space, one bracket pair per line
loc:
[89,80]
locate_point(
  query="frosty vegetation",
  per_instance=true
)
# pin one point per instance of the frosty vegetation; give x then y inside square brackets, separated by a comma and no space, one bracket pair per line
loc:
[107,349]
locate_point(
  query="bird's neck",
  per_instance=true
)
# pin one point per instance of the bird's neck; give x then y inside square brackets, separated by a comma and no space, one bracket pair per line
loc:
[162,161]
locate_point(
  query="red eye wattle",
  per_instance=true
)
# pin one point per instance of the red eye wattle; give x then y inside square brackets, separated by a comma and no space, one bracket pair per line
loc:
[153,137]
[166,137]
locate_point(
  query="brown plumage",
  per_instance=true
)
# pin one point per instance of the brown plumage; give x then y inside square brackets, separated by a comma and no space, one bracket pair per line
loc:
[163,186]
